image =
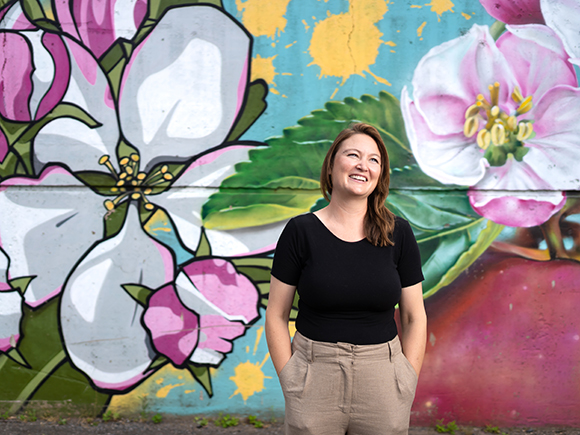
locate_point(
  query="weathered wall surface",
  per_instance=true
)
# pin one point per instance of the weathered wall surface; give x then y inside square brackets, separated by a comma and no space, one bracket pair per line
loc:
[152,151]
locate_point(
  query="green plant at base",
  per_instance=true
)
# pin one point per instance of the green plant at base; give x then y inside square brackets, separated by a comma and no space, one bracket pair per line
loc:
[201,421]
[4,416]
[62,421]
[491,429]
[144,413]
[450,427]
[111,416]
[253,420]
[226,421]
[157,418]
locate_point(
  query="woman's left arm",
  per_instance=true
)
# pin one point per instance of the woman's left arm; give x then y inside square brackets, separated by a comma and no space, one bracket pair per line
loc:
[413,324]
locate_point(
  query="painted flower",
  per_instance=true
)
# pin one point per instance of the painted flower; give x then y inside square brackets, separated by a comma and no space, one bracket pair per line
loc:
[98,24]
[34,74]
[501,118]
[514,11]
[561,16]
[181,93]
[197,318]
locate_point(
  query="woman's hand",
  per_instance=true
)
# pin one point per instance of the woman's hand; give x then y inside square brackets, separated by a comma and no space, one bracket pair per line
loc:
[413,325]
[277,316]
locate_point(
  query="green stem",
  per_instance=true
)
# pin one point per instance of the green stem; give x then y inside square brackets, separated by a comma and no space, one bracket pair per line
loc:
[496,29]
[3,360]
[43,373]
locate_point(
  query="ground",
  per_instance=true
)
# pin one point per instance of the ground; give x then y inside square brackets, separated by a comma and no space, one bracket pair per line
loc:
[187,425]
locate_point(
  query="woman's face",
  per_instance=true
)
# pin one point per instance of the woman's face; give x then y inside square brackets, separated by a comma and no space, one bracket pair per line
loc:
[357,167]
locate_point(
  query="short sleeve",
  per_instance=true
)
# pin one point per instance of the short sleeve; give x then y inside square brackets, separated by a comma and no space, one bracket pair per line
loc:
[409,264]
[288,258]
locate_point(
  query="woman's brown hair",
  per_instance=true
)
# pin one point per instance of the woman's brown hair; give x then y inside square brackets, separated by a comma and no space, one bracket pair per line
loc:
[379,221]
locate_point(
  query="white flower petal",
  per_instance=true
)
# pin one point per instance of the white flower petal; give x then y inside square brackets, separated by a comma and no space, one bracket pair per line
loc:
[40,230]
[182,98]
[70,141]
[562,17]
[104,336]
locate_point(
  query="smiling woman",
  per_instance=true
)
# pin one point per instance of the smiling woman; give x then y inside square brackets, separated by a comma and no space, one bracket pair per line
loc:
[351,263]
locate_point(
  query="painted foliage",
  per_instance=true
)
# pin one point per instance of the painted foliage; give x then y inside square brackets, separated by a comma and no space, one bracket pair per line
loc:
[152,151]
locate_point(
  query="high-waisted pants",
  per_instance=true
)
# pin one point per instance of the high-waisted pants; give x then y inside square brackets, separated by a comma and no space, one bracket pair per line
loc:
[341,388]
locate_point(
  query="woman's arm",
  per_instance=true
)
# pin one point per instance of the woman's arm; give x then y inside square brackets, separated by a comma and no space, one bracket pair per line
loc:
[413,324]
[277,316]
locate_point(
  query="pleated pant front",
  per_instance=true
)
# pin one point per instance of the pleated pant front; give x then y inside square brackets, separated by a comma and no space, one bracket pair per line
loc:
[341,388]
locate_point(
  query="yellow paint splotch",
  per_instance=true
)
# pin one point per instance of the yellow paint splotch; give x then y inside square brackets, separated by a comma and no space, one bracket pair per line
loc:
[466,16]
[164,391]
[420,29]
[441,6]
[263,68]
[158,222]
[348,43]
[263,17]
[249,378]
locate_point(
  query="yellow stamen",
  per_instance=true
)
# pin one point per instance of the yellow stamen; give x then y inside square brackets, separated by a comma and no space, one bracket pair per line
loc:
[124,161]
[123,175]
[149,206]
[494,111]
[470,127]
[135,157]
[141,175]
[471,111]
[104,159]
[494,93]
[517,95]
[129,170]
[498,134]
[525,106]
[512,123]
[168,176]
[136,195]
[109,205]
[483,139]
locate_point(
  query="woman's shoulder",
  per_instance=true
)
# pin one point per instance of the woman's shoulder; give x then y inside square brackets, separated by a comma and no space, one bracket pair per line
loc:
[402,227]
[303,222]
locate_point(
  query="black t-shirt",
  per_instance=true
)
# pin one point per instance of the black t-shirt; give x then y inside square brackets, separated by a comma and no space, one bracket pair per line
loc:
[348,290]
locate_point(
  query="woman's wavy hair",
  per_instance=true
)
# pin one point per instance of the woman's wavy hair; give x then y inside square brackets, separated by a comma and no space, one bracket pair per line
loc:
[379,221]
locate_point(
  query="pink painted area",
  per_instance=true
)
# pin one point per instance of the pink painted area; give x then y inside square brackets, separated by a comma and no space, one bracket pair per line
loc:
[139,12]
[515,212]
[217,331]
[59,53]
[174,328]
[85,61]
[514,11]
[4,285]
[218,280]
[242,85]
[15,76]
[95,24]
[3,146]
[210,157]
[5,345]
[504,346]
[121,385]
[65,18]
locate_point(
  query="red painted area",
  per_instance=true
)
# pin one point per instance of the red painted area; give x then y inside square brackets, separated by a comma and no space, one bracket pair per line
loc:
[504,346]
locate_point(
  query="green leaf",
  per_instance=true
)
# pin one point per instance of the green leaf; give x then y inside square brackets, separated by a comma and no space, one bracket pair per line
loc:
[21,283]
[17,357]
[38,12]
[466,259]
[201,375]
[203,247]
[115,219]
[62,110]
[282,180]
[138,292]
[49,376]
[253,107]
[157,363]
[100,182]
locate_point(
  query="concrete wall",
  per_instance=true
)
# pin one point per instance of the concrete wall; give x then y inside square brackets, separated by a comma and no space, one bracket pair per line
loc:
[151,153]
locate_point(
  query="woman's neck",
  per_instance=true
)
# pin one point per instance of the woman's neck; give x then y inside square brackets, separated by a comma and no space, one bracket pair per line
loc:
[345,218]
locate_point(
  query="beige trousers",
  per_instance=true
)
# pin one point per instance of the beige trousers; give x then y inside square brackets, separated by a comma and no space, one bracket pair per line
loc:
[341,388]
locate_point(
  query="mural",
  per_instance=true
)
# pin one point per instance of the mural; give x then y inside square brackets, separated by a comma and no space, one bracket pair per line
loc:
[151,152]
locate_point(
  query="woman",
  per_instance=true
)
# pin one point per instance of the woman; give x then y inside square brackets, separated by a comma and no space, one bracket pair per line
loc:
[346,371]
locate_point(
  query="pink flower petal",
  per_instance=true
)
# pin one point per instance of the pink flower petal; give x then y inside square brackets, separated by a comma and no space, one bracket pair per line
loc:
[219,282]
[514,211]
[216,331]
[174,328]
[3,146]
[15,76]
[514,11]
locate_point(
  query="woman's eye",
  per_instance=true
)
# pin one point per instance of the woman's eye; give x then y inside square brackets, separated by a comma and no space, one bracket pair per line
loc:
[375,160]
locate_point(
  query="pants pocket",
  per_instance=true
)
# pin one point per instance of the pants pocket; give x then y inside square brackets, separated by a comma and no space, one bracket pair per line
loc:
[293,375]
[406,377]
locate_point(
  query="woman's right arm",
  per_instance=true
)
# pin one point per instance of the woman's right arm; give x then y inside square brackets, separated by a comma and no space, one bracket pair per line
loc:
[277,316]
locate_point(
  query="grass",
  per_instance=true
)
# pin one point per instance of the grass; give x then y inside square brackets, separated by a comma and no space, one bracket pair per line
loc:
[226,421]
[450,427]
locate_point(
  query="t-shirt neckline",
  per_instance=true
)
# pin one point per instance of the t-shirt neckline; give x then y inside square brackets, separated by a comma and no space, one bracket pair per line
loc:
[334,235]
